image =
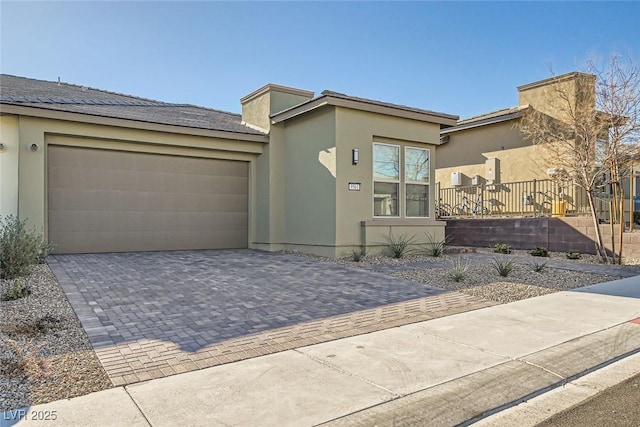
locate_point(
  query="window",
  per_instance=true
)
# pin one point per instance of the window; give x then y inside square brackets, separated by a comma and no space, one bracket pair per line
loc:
[389,178]
[386,179]
[416,179]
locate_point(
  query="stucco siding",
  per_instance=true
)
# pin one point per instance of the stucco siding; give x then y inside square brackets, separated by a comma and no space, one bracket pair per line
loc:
[309,182]
[359,130]
[9,165]
[467,151]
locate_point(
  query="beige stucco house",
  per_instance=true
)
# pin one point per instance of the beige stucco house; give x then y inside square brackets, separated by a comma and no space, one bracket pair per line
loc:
[491,148]
[487,161]
[99,171]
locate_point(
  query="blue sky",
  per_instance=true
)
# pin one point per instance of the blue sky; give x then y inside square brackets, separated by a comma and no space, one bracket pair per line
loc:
[455,57]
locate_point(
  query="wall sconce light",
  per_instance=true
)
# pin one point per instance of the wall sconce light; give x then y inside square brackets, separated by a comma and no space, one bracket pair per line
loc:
[354,156]
[34,147]
[3,146]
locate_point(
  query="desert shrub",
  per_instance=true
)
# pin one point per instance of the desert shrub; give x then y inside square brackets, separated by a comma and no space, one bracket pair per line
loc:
[502,248]
[28,358]
[20,288]
[543,252]
[400,246]
[435,247]
[358,254]
[574,255]
[538,267]
[458,270]
[20,248]
[504,267]
[33,327]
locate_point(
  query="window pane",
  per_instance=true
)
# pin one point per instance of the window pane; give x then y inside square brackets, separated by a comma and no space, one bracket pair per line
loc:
[416,161]
[386,162]
[417,200]
[385,199]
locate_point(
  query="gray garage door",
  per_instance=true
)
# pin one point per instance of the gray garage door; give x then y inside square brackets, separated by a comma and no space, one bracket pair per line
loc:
[115,201]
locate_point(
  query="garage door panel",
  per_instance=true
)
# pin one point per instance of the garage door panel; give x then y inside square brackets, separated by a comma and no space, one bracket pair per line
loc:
[106,201]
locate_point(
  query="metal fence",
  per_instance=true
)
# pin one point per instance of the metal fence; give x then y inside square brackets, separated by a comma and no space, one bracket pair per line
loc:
[525,198]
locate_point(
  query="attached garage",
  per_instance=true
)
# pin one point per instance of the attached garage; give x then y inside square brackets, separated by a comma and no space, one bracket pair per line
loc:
[101,200]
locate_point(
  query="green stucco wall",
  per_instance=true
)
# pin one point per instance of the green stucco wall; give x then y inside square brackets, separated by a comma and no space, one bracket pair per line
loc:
[9,165]
[309,184]
[359,130]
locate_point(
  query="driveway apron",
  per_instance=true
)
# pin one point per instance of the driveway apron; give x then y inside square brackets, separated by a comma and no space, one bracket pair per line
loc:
[152,314]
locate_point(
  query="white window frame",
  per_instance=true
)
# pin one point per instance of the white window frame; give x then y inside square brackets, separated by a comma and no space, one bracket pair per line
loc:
[423,183]
[398,181]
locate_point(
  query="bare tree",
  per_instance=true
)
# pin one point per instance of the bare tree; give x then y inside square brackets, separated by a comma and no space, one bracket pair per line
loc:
[589,128]
[618,101]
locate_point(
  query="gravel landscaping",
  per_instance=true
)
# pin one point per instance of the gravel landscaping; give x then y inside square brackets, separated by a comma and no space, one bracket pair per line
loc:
[45,354]
[480,278]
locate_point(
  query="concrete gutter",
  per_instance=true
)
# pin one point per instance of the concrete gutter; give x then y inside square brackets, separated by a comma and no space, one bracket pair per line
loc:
[448,371]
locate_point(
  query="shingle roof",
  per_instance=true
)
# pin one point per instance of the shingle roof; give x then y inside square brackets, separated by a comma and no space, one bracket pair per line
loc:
[488,118]
[386,104]
[72,98]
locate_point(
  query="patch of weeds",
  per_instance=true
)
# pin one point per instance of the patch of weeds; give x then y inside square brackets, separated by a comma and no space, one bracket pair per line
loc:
[20,247]
[458,270]
[20,288]
[400,246]
[538,267]
[502,248]
[358,254]
[28,358]
[33,327]
[504,267]
[574,255]
[542,252]
[435,247]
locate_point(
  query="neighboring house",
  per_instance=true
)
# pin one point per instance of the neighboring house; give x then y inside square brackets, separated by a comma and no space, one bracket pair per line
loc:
[488,151]
[101,172]
[473,146]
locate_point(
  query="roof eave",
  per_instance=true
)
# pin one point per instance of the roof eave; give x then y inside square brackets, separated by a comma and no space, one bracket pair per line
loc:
[484,122]
[324,100]
[31,111]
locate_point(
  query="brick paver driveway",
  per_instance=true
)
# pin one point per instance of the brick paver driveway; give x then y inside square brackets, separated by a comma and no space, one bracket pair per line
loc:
[152,314]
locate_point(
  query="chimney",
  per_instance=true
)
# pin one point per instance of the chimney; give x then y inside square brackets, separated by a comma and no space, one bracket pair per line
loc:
[268,100]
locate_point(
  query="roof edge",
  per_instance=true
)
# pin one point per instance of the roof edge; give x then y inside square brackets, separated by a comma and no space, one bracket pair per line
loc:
[364,105]
[40,112]
[277,88]
[554,79]
[484,122]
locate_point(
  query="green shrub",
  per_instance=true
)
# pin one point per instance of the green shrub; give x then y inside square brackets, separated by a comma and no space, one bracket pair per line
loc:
[574,255]
[400,246]
[636,217]
[20,248]
[435,247]
[504,267]
[543,252]
[538,267]
[502,248]
[18,289]
[358,254]
[458,270]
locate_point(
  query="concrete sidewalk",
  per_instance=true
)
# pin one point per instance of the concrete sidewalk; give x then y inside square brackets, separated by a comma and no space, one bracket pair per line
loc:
[439,372]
